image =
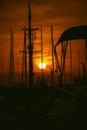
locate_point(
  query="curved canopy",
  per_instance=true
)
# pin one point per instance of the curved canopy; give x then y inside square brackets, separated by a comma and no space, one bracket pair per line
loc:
[78,32]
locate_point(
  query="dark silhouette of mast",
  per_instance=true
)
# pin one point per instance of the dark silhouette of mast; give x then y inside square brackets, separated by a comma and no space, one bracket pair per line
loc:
[52,74]
[30,47]
[70,61]
[86,55]
[78,65]
[24,64]
[11,67]
[42,70]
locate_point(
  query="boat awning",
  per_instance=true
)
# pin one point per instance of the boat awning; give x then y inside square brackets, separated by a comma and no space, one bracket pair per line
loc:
[73,33]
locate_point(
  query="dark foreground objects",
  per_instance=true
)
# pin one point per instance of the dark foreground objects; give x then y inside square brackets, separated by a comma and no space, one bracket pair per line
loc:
[22,109]
[78,118]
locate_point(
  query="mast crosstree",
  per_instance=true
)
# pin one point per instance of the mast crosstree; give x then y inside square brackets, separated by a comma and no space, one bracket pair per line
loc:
[30,45]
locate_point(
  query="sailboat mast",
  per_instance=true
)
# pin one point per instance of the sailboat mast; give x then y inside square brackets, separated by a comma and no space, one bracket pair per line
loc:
[24,64]
[71,61]
[78,64]
[42,70]
[52,56]
[11,69]
[86,55]
[30,47]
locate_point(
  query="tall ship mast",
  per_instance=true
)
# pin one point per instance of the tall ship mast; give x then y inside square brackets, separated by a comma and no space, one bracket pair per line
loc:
[30,47]
[11,67]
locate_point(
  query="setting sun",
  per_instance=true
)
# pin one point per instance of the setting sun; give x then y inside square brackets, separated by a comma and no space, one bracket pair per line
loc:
[42,65]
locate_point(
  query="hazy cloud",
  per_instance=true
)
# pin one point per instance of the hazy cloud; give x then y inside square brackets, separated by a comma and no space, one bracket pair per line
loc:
[47,11]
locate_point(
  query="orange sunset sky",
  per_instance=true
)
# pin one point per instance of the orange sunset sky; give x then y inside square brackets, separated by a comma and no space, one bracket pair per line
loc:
[62,14]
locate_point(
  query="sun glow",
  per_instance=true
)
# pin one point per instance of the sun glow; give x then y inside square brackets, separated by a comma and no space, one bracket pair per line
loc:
[42,65]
